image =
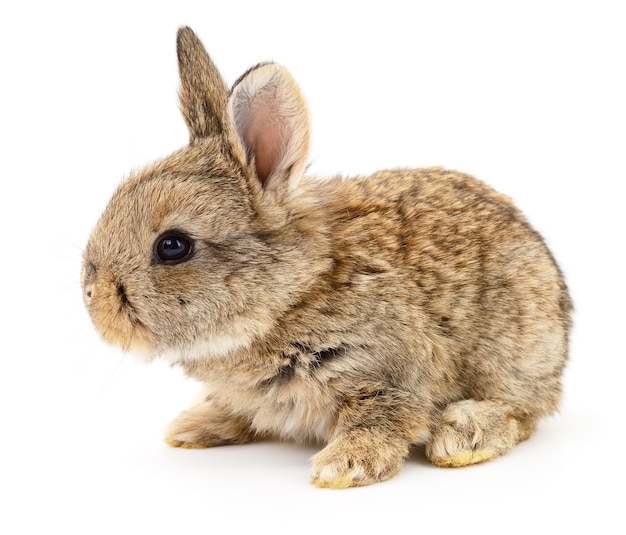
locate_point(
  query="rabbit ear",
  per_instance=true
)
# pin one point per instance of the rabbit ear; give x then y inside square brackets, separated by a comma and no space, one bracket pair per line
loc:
[272,120]
[203,94]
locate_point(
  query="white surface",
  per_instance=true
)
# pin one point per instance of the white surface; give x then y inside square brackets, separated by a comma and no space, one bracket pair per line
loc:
[530,99]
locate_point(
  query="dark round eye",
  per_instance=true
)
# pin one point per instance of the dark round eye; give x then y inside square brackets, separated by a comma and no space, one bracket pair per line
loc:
[173,247]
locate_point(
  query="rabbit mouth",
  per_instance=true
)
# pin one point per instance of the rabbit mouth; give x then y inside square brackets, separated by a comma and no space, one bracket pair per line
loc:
[116,319]
[123,330]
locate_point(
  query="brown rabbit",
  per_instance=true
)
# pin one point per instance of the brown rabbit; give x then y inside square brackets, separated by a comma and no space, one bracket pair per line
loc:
[366,314]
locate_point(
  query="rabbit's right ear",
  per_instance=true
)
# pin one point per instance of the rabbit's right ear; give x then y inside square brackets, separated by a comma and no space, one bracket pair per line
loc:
[203,94]
[272,122]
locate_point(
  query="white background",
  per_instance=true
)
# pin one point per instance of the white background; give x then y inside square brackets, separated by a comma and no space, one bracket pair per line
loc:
[527,96]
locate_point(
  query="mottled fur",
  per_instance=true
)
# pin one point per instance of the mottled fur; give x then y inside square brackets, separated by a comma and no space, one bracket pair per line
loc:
[366,314]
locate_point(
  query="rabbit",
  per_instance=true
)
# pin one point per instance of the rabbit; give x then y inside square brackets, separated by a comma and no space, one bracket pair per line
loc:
[365,315]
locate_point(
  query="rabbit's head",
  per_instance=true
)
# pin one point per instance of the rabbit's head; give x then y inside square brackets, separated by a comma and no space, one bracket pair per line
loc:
[197,254]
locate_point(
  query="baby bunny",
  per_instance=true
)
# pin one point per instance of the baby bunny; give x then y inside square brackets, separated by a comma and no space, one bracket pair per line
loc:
[413,306]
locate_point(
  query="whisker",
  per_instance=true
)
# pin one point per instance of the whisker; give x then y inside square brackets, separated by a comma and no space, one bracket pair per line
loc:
[126,346]
[70,252]
[71,287]
[87,358]
[113,373]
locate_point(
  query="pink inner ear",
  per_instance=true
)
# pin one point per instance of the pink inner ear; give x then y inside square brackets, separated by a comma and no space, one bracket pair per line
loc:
[263,137]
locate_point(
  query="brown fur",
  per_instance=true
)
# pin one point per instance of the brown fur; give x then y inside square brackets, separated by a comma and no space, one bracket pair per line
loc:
[367,314]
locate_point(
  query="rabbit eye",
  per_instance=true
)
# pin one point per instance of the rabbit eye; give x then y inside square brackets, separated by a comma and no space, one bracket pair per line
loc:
[173,248]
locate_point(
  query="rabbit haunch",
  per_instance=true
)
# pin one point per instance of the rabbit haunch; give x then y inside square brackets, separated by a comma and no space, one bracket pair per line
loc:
[413,306]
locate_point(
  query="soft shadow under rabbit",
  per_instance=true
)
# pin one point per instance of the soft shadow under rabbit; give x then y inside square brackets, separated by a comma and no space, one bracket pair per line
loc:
[366,314]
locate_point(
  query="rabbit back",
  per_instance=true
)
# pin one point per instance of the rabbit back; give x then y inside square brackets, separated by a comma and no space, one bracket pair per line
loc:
[437,286]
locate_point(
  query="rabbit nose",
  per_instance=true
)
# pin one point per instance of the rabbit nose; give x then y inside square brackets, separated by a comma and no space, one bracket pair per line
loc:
[88,277]
[87,292]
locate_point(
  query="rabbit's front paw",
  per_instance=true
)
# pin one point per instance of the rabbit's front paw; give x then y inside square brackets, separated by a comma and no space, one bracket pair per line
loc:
[350,463]
[182,433]
[204,426]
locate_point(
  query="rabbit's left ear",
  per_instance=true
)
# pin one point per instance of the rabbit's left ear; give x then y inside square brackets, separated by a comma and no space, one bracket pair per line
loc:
[203,94]
[272,120]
